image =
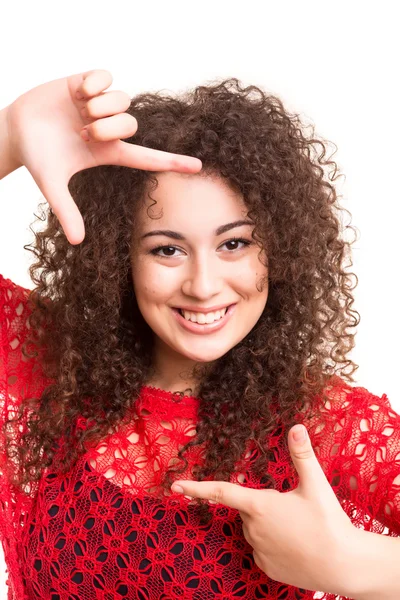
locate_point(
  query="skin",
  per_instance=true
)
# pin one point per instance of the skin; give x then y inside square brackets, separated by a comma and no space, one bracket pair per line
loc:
[203,270]
[84,127]
[303,537]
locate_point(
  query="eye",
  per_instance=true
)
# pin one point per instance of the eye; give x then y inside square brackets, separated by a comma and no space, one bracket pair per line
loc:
[167,250]
[234,242]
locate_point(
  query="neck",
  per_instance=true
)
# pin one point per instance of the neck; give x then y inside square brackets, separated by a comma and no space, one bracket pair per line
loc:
[180,381]
[173,372]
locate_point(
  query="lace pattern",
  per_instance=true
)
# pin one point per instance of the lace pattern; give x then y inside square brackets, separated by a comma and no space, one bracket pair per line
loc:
[103,531]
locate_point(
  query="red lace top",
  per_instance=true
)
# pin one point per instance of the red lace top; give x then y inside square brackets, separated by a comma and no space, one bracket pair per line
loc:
[100,532]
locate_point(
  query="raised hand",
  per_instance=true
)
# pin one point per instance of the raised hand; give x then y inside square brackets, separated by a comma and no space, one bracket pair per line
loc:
[71,124]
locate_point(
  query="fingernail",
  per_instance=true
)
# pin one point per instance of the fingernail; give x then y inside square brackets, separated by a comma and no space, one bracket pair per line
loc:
[85,135]
[300,434]
[177,489]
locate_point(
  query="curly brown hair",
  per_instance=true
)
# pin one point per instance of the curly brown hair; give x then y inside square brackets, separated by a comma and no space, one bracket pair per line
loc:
[97,346]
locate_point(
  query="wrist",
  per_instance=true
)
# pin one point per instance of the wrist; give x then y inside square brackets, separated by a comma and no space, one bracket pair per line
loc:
[374,564]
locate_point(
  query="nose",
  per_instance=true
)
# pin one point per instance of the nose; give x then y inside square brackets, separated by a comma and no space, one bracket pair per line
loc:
[203,279]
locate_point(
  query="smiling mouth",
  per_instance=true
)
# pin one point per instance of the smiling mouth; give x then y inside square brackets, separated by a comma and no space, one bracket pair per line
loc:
[203,318]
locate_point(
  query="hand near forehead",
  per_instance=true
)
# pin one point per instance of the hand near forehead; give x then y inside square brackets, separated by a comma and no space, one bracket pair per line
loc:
[299,537]
[46,133]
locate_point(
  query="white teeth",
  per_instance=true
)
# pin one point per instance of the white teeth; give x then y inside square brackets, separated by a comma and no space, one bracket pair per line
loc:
[204,318]
[209,318]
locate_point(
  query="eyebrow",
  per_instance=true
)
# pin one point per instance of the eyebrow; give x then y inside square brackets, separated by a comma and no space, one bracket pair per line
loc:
[178,236]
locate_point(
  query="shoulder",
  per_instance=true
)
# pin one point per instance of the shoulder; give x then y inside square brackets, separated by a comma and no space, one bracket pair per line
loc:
[15,309]
[13,301]
[347,416]
[339,396]
[354,400]
[15,371]
[344,410]
[12,287]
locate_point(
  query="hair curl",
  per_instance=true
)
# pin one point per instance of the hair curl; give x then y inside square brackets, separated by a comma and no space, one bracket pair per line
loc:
[95,342]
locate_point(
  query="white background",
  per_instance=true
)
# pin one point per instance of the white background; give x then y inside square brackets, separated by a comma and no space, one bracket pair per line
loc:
[335,63]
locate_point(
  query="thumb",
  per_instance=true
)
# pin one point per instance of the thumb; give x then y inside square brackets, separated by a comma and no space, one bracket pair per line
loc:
[307,466]
[64,207]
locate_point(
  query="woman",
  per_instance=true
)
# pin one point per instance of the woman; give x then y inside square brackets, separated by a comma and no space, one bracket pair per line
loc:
[196,313]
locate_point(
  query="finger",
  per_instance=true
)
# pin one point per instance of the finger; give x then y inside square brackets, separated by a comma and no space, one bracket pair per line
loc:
[122,126]
[106,104]
[94,82]
[65,209]
[148,159]
[221,492]
[312,479]
[116,127]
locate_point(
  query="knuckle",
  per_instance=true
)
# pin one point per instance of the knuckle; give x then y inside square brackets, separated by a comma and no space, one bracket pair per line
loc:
[257,508]
[174,162]
[258,502]
[303,454]
[218,494]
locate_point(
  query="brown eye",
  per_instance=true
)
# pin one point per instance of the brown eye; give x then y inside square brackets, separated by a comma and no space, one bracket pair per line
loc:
[234,242]
[167,251]
[232,245]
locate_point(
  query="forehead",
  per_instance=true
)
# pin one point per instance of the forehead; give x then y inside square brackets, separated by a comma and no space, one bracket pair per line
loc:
[190,201]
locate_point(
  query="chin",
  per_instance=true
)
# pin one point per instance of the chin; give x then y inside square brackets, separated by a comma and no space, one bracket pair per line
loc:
[204,357]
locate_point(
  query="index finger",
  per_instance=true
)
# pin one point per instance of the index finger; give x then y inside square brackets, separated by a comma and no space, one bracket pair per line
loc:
[148,159]
[221,492]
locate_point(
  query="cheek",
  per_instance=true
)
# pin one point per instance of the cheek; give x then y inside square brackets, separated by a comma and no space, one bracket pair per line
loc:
[249,276]
[152,283]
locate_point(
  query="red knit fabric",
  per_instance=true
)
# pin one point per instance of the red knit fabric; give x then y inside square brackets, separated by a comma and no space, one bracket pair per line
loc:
[101,532]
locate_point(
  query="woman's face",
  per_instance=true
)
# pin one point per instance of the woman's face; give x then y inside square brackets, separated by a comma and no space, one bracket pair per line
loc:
[195,285]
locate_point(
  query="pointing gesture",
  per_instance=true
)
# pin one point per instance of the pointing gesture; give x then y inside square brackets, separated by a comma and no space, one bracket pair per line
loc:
[300,537]
[72,124]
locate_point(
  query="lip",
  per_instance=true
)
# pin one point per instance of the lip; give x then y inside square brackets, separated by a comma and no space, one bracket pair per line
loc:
[206,328]
[201,309]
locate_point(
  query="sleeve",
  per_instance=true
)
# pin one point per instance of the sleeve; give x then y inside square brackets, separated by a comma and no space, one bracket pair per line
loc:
[13,327]
[15,372]
[357,443]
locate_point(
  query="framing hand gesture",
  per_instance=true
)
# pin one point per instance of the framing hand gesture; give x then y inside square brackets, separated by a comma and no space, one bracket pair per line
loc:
[65,126]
